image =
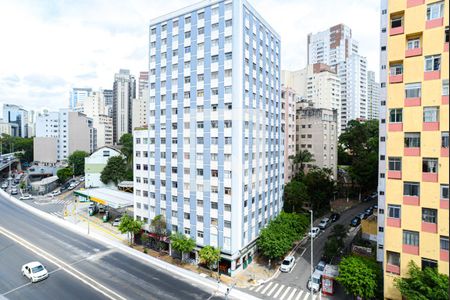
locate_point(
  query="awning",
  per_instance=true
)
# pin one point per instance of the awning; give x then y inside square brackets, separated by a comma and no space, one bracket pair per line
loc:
[112,198]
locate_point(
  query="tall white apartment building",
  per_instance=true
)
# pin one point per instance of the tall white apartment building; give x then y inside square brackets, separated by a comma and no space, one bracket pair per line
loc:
[140,109]
[214,143]
[66,130]
[373,96]
[124,92]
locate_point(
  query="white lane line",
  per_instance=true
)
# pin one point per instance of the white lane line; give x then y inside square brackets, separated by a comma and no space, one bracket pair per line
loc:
[303,252]
[251,288]
[266,288]
[273,289]
[279,291]
[62,265]
[292,294]
[258,288]
[308,296]
[285,293]
[299,295]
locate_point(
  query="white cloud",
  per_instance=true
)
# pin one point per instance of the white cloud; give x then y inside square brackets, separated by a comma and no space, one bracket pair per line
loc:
[50,46]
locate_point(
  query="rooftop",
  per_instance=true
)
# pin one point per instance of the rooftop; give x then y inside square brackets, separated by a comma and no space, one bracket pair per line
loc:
[113,198]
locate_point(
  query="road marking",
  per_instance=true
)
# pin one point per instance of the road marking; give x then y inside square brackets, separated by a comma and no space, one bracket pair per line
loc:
[303,252]
[279,291]
[63,265]
[266,288]
[251,288]
[292,294]
[285,293]
[299,295]
[258,288]
[308,296]
[290,271]
[273,289]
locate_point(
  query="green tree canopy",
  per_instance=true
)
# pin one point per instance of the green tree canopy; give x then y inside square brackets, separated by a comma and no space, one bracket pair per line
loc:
[64,174]
[130,226]
[209,255]
[13,143]
[76,161]
[320,187]
[181,243]
[423,284]
[295,195]
[159,228]
[301,158]
[115,170]
[360,276]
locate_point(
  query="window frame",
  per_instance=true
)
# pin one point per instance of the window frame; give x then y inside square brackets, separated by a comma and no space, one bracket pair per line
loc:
[435,63]
[411,189]
[429,215]
[394,210]
[431,9]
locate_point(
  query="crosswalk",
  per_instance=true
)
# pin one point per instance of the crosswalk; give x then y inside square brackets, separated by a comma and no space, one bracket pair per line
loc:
[280,291]
[58,214]
[64,201]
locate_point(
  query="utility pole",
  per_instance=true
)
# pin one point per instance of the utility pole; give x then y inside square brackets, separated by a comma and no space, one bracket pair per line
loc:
[312,263]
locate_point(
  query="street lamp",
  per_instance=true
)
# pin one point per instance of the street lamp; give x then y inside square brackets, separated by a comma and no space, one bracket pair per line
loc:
[312,245]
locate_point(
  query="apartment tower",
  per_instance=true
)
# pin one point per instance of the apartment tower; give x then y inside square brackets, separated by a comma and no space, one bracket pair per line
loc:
[124,92]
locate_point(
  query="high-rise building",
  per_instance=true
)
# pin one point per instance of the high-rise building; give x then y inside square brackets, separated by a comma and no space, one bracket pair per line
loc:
[78,95]
[109,99]
[288,106]
[373,96]
[17,117]
[124,92]
[214,143]
[143,83]
[413,200]
[140,110]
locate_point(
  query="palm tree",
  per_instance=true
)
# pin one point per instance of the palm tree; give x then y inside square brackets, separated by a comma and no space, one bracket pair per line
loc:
[301,158]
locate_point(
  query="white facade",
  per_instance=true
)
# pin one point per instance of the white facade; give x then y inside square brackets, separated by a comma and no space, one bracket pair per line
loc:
[5,128]
[373,96]
[123,93]
[104,127]
[140,109]
[215,146]
[77,96]
[94,165]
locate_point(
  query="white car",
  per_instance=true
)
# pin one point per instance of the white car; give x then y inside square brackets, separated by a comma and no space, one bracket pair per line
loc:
[55,193]
[26,197]
[34,271]
[315,284]
[314,232]
[287,264]
[324,223]
[5,185]
[81,179]
[116,221]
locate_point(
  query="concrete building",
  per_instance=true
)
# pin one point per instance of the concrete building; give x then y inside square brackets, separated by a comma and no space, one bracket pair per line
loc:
[67,130]
[317,133]
[124,92]
[108,95]
[288,106]
[94,165]
[5,128]
[140,110]
[17,117]
[373,96]
[143,84]
[413,202]
[214,141]
[77,96]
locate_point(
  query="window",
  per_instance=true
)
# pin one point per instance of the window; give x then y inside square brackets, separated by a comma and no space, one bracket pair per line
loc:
[394,211]
[429,165]
[428,263]
[444,139]
[413,90]
[446,35]
[429,215]
[411,189]
[187,20]
[444,243]
[395,115]
[200,234]
[445,87]
[444,191]
[396,22]
[413,43]
[396,69]
[395,164]
[411,238]
[412,140]
[393,258]
[432,63]
[435,10]
[187,49]
[199,218]
[201,15]
[187,231]
[431,114]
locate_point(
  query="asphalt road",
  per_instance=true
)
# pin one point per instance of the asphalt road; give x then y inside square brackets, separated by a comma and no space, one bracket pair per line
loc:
[87,269]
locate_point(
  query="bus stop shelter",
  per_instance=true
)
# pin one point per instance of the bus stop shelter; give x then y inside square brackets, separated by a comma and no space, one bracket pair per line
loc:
[112,198]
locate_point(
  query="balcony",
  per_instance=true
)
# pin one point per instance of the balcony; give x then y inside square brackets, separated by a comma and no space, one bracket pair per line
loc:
[396,78]
[397,30]
[445,99]
[413,52]
[432,75]
[412,3]
[429,227]
[394,222]
[430,126]
[434,23]
[395,126]
[393,269]
[414,250]
[443,204]
[411,151]
[394,174]
[443,255]
[411,200]
[430,177]
[417,101]
[444,152]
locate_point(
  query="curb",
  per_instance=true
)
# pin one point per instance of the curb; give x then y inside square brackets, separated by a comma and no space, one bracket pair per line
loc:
[185,274]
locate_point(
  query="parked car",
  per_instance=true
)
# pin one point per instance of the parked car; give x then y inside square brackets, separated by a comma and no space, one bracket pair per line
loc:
[34,271]
[355,222]
[26,197]
[324,223]
[287,264]
[334,217]
[5,185]
[314,232]
[81,178]
[320,267]
[116,221]
[14,191]
[362,215]
[71,186]
[55,193]
[101,208]
[315,282]
[369,211]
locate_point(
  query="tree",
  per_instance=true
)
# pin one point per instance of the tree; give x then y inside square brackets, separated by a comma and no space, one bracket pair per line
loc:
[130,226]
[320,187]
[423,284]
[126,141]
[182,244]
[339,231]
[64,174]
[331,248]
[144,240]
[360,276]
[13,143]
[295,195]
[115,170]
[209,256]
[159,226]
[76,161]
[301,158]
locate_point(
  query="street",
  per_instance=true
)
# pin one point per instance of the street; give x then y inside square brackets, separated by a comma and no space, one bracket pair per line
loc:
[293,285]
[81,267]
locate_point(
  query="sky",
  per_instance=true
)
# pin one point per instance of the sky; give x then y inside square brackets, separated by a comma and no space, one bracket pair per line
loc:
[49,46]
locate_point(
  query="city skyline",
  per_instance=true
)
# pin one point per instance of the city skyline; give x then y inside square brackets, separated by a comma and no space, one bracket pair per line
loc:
[42,78]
